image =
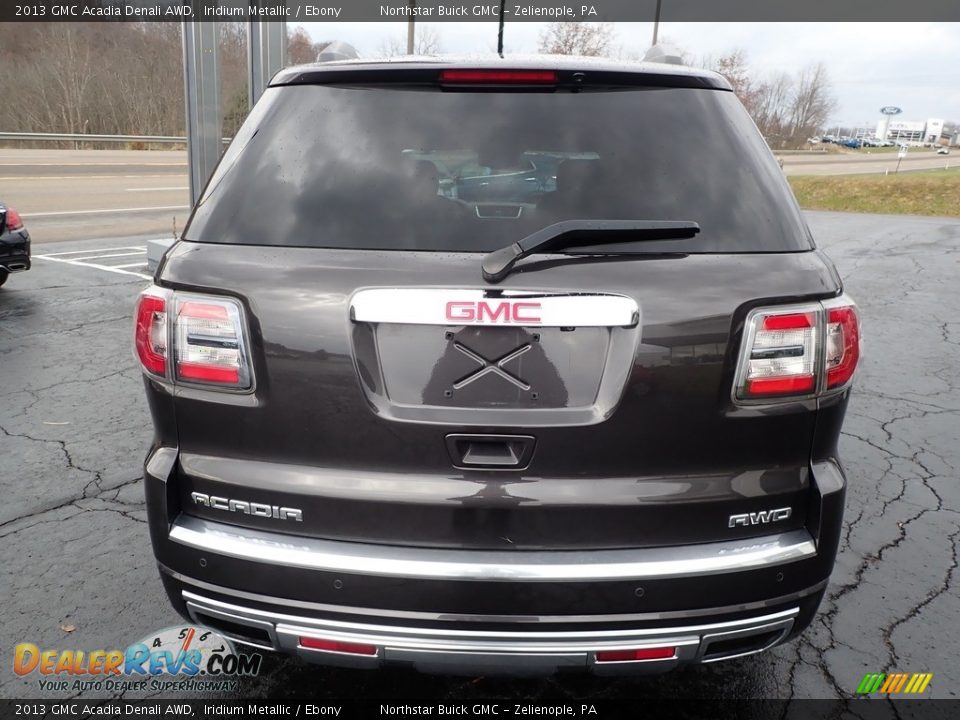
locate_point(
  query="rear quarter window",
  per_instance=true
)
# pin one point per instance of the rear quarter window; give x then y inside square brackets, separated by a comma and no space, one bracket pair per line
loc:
[416,169]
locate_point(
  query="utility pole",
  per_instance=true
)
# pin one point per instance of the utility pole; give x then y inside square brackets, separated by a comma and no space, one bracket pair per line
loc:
[411,23]
[656,23]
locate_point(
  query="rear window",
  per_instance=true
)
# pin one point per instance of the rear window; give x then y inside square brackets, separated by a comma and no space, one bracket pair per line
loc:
[414,169]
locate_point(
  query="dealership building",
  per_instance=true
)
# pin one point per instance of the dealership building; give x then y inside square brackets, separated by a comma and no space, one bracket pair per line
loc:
[910,132]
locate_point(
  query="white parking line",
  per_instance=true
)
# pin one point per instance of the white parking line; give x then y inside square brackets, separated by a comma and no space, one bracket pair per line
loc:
[81,176]
[103,212]
[130,265]
[119,271]
[102,257]
[98,250]
[92,164]
[183,187]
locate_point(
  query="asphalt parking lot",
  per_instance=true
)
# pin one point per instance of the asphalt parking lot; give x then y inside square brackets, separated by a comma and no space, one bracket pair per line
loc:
[77,571]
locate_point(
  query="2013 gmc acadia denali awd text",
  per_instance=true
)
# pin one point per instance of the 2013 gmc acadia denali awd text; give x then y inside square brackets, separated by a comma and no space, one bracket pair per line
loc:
[518,366]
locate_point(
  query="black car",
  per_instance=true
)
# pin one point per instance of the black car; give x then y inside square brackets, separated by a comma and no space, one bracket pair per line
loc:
[592,429]
[14,243]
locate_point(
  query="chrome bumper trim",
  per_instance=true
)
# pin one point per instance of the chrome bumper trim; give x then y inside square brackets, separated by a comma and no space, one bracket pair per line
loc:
[492,565]
[448,647]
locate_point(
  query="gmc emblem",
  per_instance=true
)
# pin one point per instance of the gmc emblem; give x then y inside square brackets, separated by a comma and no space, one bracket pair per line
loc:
[505,312]
[759,518]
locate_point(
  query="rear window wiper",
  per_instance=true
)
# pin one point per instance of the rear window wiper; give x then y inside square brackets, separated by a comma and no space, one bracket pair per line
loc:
[569,233]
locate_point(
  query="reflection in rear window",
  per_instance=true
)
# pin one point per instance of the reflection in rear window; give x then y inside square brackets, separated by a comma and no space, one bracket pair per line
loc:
[379,168]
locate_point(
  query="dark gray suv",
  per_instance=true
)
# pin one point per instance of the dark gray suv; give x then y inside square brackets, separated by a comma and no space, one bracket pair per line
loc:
[471,366]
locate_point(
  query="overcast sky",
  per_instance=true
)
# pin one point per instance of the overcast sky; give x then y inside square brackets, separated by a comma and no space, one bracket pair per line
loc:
[915,66]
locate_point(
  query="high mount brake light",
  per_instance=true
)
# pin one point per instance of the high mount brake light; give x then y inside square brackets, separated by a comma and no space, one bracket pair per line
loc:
[207,332]
[498,77]
[798,351]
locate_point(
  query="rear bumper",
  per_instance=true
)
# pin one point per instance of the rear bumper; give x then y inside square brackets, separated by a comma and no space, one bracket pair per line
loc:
[15,251]
[516,651]
[504,611]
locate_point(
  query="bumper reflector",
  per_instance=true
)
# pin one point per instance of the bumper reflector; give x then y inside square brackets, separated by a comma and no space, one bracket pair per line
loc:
[659,653]
[338,646]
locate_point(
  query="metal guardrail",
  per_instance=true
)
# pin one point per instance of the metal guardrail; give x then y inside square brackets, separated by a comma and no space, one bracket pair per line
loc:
[84,137]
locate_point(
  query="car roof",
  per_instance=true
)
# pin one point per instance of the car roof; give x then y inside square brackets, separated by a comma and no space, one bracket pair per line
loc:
[420,67]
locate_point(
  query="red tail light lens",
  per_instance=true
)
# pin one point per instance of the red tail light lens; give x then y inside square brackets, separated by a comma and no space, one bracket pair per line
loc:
[843,344]
[782,385]
[499,77]
[790,321]
[782,353]
[208,335]
[13,221]
[659,653]
[209,342]
[150,334]
[338,646]
[798,351]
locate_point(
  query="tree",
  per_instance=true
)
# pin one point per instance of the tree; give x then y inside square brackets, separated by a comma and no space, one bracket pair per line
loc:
[786,109]
[812,101]
[426,42]
[577,38]
[733,66]
[771,100]
[301,49]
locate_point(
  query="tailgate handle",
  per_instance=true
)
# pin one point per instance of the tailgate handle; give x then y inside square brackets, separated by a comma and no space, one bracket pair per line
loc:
[490,452]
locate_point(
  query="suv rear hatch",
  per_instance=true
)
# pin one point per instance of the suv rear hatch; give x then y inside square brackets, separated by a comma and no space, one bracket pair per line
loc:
[395,396]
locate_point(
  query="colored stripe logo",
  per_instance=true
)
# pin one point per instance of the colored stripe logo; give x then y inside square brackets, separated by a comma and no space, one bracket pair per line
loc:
[894,683]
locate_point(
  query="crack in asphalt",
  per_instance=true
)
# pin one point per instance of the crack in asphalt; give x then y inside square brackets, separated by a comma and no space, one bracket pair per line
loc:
[73,502]
[916,609]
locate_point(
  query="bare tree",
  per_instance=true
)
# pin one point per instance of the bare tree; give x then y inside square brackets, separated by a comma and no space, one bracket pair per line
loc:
[812,102]
[301,49]
[771,106]
[427,42]
[733,66]
[786,109]
[577,38]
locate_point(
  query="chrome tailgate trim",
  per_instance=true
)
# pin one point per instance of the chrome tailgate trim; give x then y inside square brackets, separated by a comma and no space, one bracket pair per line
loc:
[492,565]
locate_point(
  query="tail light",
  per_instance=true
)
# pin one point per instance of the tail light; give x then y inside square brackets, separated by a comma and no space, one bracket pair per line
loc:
[150,335]
[797,351]
[206,335]
[842,351]
[13,221]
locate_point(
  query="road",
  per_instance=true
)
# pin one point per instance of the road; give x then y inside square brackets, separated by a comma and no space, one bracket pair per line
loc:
[866,162]
[77,570]
[76,194]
